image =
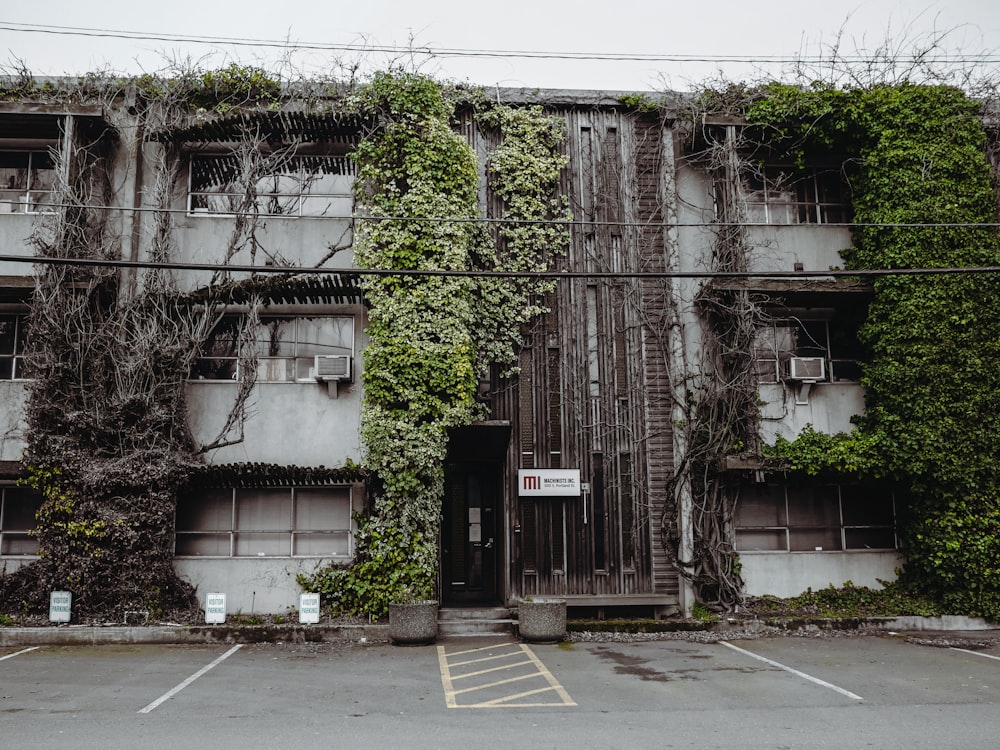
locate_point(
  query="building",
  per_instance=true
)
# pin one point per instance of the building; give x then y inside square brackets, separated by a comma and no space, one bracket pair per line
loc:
[599,410]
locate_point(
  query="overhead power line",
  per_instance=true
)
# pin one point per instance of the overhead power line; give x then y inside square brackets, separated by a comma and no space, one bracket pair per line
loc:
[285,44]
[549,275]
[569,223]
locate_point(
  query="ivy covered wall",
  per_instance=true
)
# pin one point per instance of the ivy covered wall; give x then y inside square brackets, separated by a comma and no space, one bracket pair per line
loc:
[914,157]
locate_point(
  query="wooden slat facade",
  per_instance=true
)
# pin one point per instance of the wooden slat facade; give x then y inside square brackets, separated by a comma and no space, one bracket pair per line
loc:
[593,392]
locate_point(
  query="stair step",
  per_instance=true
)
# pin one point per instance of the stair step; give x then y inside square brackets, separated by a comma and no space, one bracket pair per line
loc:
[473,613]
[475,627]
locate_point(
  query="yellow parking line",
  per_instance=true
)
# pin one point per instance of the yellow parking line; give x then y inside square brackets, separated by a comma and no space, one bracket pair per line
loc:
[498,683]
[501,668]
[525,658]
[507,699]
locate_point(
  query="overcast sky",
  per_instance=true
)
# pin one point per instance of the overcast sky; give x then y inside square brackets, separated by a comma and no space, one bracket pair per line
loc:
[63,37]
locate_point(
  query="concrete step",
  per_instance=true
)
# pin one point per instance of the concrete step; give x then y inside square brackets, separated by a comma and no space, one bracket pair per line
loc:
[458,621]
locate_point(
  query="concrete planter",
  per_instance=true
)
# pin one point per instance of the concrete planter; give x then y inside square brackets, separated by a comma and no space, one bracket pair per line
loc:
[542,620]
[413,624]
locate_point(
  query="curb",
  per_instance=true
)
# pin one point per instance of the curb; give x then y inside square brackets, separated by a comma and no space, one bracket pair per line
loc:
[114,634]
[67,635]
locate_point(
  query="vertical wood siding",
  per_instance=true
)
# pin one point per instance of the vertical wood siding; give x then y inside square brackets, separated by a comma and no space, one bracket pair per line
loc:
[593,390]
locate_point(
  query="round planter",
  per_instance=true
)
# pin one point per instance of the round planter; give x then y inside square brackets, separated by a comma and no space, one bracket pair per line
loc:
[413,624]
[542,620]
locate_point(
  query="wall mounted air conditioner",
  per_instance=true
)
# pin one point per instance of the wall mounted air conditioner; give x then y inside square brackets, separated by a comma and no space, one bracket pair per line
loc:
[332,368]
[807,369]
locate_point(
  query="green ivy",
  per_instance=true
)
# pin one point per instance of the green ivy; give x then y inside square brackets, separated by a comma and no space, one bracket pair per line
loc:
[432,337]
[932,420]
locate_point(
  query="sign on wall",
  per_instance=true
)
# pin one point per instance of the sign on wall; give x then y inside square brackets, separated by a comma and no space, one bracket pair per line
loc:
[548,482]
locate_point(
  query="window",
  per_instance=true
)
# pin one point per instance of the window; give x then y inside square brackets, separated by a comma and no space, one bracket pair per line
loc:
[18,507]
[835,340]
[27,181]
[805,519]
[295,186]
[286,347]
[12,335]
[777,196]
[266,522]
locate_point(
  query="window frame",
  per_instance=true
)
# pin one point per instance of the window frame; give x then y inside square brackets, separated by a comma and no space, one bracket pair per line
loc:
[291,186]
[20,534]
[268,366]
[785,529]
[16,356]
[239,534]
[810,196]
[29,199]
[827,336]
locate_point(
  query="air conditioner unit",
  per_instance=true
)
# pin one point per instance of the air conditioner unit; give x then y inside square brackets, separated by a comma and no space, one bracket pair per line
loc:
[807,369]
[336,367]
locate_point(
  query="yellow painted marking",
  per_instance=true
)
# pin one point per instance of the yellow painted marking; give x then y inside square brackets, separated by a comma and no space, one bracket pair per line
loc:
[497,683]
[448,664]
[491,669]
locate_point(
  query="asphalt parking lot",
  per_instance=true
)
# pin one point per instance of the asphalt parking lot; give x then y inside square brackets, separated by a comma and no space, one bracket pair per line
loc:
[790,692]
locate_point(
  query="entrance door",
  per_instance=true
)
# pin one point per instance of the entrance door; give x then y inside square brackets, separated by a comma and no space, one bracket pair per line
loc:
[470,543]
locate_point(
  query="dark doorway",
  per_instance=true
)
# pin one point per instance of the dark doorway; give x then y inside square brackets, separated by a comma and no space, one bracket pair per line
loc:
[470,543]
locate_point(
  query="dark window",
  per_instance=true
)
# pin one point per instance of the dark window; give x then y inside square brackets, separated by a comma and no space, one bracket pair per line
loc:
[12,335]
[834,340]
[18,506]
[784,518]
[286,348]
[27,181]
[266,522]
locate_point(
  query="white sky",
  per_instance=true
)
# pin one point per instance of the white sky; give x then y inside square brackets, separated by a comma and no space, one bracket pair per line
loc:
[707,29]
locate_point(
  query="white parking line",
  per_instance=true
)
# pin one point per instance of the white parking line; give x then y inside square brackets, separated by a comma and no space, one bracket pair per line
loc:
[18,653]
[171,693]
[975,653]
[796,672]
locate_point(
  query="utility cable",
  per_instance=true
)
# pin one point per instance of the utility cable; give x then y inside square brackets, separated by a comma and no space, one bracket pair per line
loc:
[541,275]
[984,58]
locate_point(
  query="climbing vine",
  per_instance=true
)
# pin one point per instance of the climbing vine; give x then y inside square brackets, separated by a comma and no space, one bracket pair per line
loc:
[108,444]
[922,193]
[432,338]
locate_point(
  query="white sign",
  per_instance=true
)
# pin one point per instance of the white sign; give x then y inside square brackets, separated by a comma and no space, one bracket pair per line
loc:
[60,604]
[308,609]
[548,482]
[215,608]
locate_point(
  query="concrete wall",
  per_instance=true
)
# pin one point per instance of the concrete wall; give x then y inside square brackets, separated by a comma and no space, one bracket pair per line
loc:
[301,241]
[15,229]
[13,395]
[829,408]
[817,247]
[787,574]
[251,585]
[289,423]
